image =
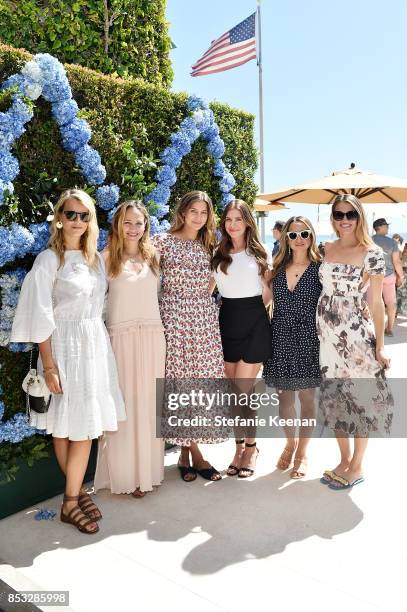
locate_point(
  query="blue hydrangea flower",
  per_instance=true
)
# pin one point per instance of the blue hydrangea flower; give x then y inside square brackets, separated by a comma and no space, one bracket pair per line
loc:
[75,134]
[9,167]
[227,182]
[19,347]
[196,103]
[154,225]
[40,233]
[90,163]
[102,241]
[216,147]
[167,176]
[20,111]
[181,143]
[12,81]
[1,410]
[171,157]
[226,198]
[107,196]
[219,168]
[56,85]
[65,111]
[189,129]
[164,226]
[211,133]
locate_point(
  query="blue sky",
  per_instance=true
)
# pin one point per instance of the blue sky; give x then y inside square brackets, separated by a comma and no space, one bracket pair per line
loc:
[334,79]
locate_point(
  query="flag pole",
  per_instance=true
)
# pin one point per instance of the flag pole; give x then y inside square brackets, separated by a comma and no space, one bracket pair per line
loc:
[261,132]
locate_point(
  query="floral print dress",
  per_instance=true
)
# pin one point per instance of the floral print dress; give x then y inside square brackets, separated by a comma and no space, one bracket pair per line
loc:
[354,397]
[190,319]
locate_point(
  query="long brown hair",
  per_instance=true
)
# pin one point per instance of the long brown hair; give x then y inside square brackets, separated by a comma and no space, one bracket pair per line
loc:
[285,256]
[115,243]
[88,240]
[206,234]
[362,230]
[254,247]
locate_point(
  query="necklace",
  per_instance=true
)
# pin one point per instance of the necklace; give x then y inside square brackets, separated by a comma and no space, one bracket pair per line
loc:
[301,268]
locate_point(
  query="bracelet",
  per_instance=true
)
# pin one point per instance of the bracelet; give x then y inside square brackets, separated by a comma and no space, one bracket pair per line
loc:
[49,368]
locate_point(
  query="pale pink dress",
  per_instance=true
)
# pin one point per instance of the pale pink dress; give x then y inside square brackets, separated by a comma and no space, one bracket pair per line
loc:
[133,457]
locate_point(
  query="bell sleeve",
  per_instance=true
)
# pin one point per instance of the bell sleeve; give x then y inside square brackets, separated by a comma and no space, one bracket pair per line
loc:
[374,262]
[34,317]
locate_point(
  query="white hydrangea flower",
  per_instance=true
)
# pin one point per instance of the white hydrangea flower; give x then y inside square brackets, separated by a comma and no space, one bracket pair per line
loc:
[33,91]
[32,70]
[198,116]
[4,338]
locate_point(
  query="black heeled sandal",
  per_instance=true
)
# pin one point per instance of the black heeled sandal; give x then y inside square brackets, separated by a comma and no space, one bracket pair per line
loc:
[250,471]
[233,470]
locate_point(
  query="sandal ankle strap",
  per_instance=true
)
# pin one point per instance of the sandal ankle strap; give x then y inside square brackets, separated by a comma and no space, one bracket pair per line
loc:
[70,497]
[240,441]
[251,445]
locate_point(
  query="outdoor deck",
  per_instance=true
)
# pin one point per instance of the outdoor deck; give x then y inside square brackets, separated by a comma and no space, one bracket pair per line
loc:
[235,545]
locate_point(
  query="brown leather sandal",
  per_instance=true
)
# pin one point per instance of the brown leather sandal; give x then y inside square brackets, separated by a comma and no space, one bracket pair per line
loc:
[138,493]
[77,517]
[88,507]
[285,459]
[300,468]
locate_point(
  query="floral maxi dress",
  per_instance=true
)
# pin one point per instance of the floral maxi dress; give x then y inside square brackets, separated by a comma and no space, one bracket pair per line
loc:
[190,319]
[355,397]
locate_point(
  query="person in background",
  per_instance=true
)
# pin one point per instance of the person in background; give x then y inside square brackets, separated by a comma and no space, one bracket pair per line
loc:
[393,274]
[400,240]
[402,290]
[278,226]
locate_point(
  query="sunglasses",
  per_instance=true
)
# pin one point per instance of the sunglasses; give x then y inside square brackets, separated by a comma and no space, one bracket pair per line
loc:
[351,215]
[72,215]
[305,234]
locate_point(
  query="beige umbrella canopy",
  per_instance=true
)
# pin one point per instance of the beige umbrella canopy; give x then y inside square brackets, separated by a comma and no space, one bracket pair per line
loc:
[263,206]
[370,188]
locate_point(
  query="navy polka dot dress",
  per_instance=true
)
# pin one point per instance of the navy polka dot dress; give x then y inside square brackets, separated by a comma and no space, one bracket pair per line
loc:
[294,361]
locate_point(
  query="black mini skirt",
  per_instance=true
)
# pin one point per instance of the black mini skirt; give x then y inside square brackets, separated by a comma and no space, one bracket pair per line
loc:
[245,329]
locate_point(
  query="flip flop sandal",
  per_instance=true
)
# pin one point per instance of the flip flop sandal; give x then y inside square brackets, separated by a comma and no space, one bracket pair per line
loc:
[184,470]
[327,477]
[207,473]
[344,484]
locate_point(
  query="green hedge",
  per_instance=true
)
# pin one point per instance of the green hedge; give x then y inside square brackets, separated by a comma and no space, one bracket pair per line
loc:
[132,122]
[128,37]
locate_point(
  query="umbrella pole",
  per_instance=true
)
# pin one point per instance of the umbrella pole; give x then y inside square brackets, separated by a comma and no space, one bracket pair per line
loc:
[261,131]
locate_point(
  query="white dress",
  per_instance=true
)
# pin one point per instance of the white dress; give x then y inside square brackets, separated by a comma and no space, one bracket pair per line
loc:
[66,303]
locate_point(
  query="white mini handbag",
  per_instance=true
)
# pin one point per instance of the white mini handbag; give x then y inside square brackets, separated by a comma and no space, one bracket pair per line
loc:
[37,393]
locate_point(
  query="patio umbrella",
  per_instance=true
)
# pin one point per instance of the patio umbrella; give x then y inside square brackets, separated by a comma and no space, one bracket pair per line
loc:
[263,206]
[370,188]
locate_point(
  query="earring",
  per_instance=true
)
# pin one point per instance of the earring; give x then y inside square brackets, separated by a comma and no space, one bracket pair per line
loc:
[59,225]
[289,250]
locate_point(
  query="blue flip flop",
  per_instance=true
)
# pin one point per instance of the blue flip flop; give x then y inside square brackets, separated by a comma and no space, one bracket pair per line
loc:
[345,484]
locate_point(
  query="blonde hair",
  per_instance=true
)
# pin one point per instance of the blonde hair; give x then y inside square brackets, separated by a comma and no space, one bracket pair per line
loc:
[115,244]
[254,247]
[88,240]
[362,230]
[206,234]
[284,255]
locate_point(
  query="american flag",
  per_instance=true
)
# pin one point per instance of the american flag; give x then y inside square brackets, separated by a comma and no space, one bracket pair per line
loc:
[232,49]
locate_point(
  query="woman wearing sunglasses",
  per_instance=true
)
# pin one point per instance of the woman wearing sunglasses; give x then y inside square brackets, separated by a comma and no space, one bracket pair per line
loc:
[241,272]
[294,362]
[60,308]
[354,397]
[131,460]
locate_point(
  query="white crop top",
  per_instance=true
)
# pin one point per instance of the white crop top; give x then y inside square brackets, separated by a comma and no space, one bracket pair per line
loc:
[242,278]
